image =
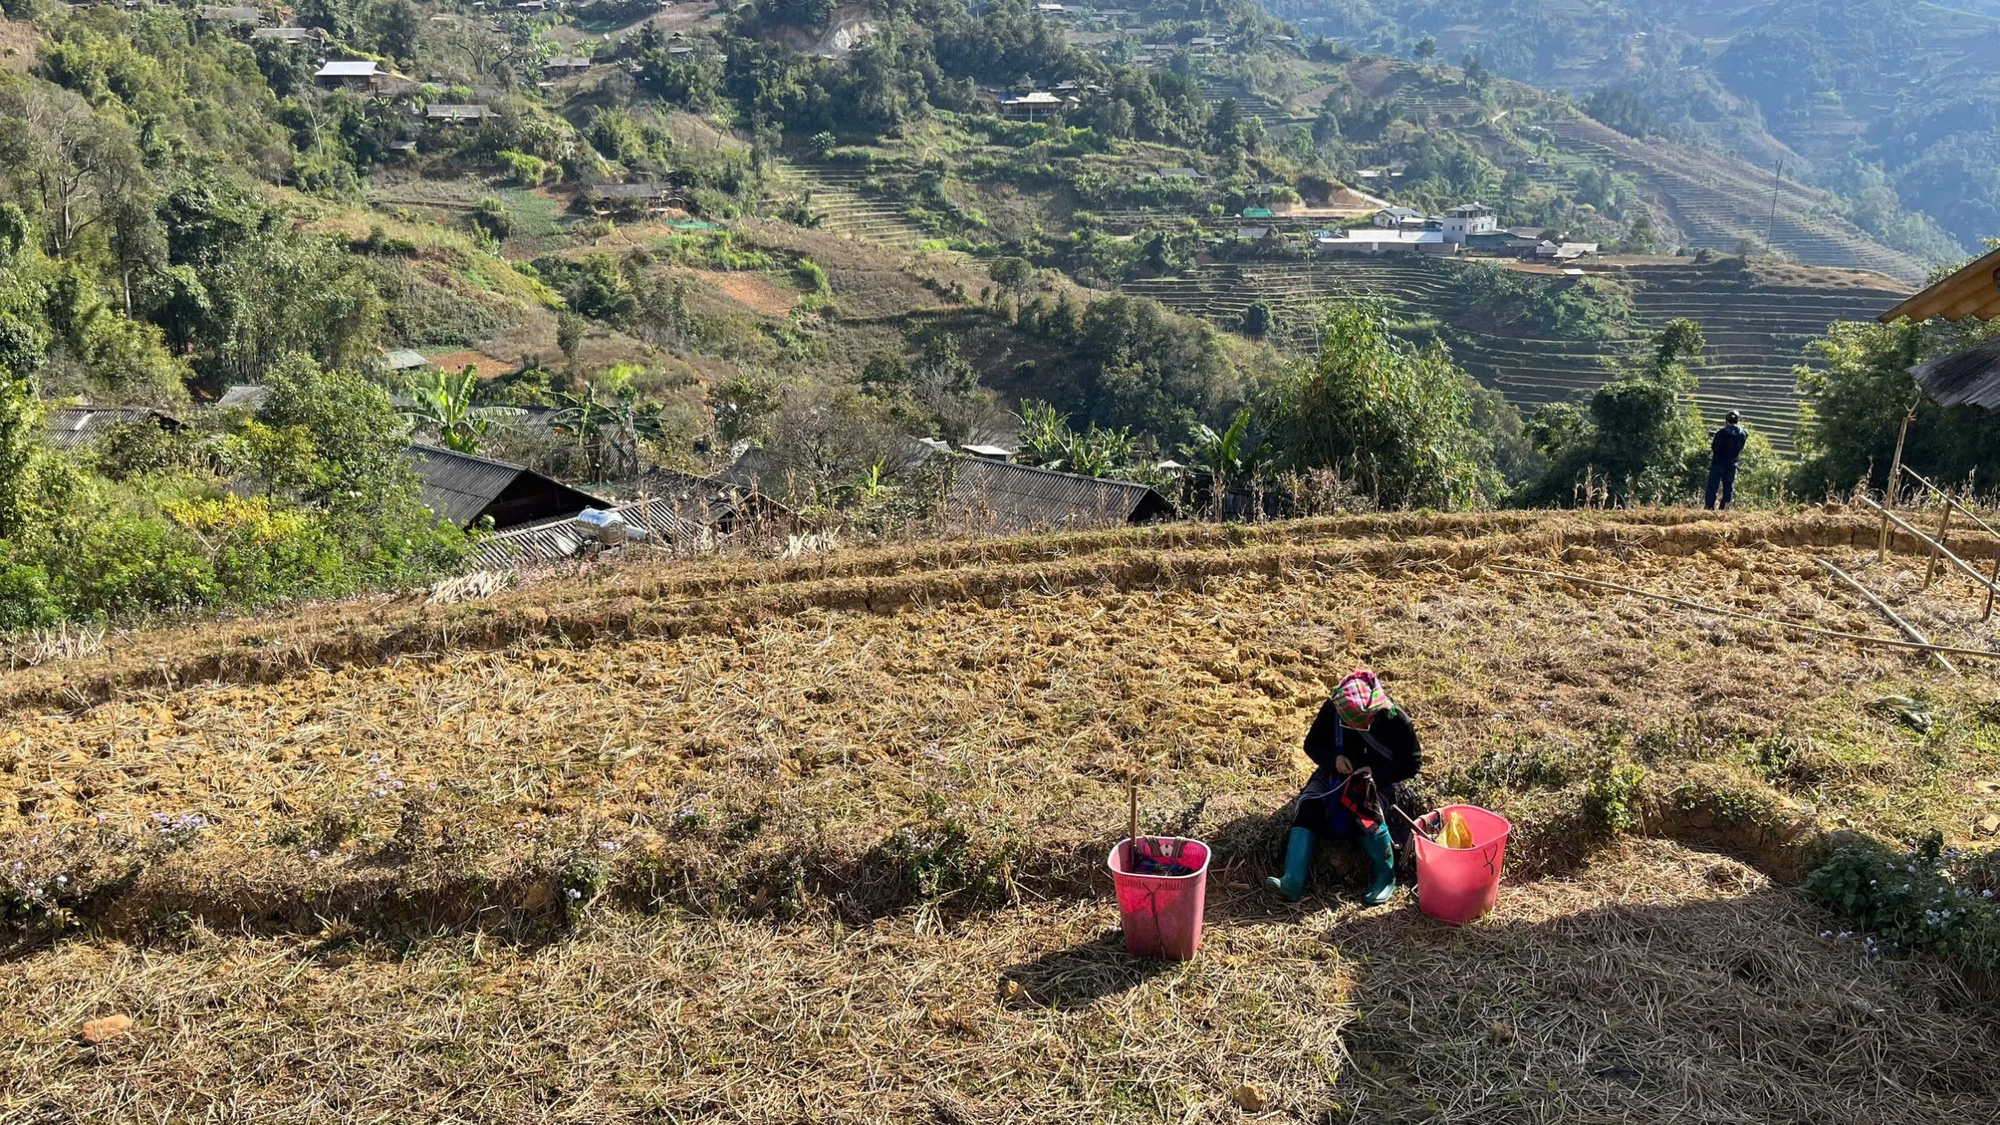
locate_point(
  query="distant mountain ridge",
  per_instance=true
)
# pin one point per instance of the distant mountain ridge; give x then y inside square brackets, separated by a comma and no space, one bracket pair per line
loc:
[1895,107]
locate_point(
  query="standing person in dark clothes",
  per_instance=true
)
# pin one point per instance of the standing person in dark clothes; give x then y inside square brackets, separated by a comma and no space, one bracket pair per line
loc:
[1724,450]
[1366,750]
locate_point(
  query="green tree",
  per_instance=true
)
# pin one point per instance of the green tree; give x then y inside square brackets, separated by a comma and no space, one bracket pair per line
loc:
[1392,417]
[1642,440]
[1225,459]
[1427,50]
[1045,438]
[397,25]
[330,438]
[1858,394]
[489,214]
[1013,275]
[1256,319]
[570,329]
[20,436]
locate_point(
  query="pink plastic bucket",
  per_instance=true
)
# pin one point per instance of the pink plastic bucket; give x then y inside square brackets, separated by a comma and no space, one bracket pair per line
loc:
[1458,885]
[1161,914]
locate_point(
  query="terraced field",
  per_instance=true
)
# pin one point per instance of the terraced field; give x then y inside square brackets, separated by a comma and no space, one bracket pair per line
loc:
[1718,200]
[1757,330]
[1274,116]
[836,194]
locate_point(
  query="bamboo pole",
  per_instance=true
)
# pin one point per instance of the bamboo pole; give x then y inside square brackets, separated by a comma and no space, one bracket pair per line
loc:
[1944,526]
[1987,615]
[1968,513]
[1858,638]
[1908,629]
[1889,494]
[1949,557]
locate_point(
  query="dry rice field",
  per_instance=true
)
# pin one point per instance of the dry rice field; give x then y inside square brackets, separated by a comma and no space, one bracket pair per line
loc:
[819,840]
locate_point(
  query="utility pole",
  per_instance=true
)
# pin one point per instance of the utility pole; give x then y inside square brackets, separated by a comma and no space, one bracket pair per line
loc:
[1771,234]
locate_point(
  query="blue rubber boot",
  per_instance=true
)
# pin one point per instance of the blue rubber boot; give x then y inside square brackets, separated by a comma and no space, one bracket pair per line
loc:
[1298,857]
[1381,851]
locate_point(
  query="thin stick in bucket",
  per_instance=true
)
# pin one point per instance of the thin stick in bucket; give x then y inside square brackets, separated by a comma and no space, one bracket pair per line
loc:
[1413,824]
[1132,836]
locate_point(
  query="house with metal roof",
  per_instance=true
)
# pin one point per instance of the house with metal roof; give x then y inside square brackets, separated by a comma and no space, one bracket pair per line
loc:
[404,359]
[243,396]
[296,36]
[1970,377]
[1399,218]
[640,197]
[1372,240]
[82,427]
[350,74]
[457,114]
[994,497]
[221,13]
[762,471]
[1029,106]
[714,503]
[464,489]
[566,537]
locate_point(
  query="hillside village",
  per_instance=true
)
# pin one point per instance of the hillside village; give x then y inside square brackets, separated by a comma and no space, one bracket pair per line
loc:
[637,560]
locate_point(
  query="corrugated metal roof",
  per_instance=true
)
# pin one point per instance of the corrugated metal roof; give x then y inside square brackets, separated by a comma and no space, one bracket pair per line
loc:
[998,497]
[250,396]
[461,488]
[761,471]
[1968,378]
[404,359]
[1973,291]
[553,540]
[346,68]
[74,428]
[709,502]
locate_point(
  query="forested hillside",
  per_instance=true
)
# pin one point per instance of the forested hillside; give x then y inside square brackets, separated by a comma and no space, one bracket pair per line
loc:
[607,239]
[1893,106]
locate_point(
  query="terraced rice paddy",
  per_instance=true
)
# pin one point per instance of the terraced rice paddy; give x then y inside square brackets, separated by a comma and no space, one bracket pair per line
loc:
[838,195]
[1757,333]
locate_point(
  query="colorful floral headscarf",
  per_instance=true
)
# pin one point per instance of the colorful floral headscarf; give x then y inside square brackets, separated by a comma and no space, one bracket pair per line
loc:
[1360,698]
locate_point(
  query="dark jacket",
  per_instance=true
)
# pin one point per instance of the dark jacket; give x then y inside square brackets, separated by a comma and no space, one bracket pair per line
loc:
[1727,445]
[1395,753]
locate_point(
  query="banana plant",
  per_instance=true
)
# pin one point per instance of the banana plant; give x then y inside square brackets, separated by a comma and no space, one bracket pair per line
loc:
[442,401]
[1227,457]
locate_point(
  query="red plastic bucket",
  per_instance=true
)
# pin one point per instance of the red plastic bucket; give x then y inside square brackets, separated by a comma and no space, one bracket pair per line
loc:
[1459,885]
[1161,914]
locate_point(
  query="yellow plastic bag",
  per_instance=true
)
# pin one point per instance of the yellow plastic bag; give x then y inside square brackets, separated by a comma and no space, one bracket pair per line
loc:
[1456,834]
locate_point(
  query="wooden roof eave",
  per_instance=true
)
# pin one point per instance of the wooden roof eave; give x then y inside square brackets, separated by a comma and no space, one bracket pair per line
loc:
[1973,291]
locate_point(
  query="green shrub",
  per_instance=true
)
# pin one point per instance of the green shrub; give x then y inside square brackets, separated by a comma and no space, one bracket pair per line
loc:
[489,214]
[1925,899]
[526,170]
[810,277]
[1609,796]
[26,602]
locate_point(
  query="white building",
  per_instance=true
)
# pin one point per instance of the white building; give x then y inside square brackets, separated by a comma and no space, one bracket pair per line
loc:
[1399,218]
[1370,240]
[1468,219]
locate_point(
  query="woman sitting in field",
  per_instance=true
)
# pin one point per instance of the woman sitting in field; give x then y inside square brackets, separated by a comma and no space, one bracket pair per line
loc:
[1366,750]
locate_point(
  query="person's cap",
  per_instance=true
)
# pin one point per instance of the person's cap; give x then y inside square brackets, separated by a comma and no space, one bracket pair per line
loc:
[1733,416]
